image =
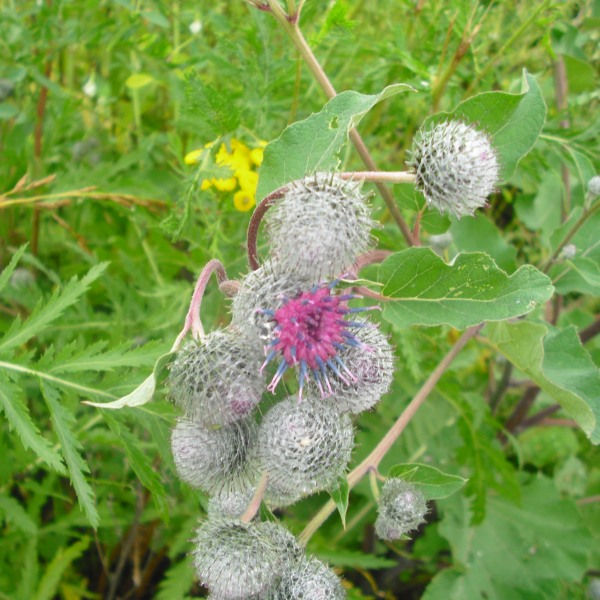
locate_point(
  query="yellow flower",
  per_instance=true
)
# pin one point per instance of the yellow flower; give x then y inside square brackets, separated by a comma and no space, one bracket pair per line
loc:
[256,156]
[243,200]
[193,157]
[225,185]
[248,180]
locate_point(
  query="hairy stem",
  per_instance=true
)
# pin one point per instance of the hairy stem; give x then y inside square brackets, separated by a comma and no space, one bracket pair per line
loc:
[192,319]
[290,25]
[372,461]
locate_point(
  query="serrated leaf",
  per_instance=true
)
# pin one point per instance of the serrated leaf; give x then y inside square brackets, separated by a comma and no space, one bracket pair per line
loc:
[348,558]
[15,513]
[177,581]
[49,310]
[514,121]
[434,484]
[17,414]
[558,363]
[424,290]
[62,421]
[48,585]
[140,463]
[8,270]
[314,144]
[143,393]
[341,497]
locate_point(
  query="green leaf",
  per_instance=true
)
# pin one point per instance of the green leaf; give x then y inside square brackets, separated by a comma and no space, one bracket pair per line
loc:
[558,363]
[519,551]
[424,290]
[177,581]
[17,414]
[62,422]
[140,463]
[48,586]
[479,234]
[348,558]
[434,484]
[8,270]
[582,275]
[341,496]
[48,311]
[138,81]
[143,393]
[15,513]
[314,144]
[514,121]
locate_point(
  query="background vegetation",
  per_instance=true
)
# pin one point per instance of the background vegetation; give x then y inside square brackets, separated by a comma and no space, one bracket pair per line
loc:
[104,226]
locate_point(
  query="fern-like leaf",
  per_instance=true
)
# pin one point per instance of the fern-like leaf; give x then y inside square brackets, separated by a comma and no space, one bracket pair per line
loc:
[62,422]
[8,271]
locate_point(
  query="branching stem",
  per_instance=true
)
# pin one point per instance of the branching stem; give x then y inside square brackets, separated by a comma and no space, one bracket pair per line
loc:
[372,461]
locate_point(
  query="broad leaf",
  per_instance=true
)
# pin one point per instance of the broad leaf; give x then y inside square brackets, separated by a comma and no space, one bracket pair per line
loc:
[424,290]
[521,551]
[62,422]
[314,144]
[514,121]
[558,363]
[434,484]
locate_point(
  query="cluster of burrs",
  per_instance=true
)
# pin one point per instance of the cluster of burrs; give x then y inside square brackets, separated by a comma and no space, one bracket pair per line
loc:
[287,316]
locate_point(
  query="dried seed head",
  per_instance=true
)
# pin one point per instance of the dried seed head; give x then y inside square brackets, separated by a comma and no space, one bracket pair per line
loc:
[309,579]
[218,381]
[215,459]
[238,560]
[371,369]
[262,291]
[402,508]
[456,167]
[329,217]
[304,447]
[309,332]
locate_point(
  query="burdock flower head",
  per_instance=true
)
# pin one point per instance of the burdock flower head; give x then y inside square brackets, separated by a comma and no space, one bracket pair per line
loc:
[310,330]
[456,167]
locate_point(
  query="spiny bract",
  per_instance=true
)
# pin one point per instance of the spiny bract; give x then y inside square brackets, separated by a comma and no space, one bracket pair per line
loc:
[320,226]
[402,508]
[309,579]
[217,458]
[369,371]
[304,447]
[237,560]
[217,381]
[261,291]
[229,502]
[456,167]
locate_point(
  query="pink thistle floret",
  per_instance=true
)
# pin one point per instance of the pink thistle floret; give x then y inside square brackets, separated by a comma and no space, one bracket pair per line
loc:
[310,331]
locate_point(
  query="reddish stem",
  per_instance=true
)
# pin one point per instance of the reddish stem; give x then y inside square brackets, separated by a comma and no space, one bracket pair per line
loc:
[192,319]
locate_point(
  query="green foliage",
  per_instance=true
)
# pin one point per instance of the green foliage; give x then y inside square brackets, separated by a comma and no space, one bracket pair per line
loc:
[104,227]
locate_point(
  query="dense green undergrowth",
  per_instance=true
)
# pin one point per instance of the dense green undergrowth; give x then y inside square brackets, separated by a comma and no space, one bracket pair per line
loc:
[104,226]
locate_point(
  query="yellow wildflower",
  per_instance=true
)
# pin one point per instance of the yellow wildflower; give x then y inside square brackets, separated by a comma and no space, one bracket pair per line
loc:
[243,200]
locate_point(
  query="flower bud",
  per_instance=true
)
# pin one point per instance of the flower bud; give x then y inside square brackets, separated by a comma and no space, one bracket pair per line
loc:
[237,560]
[329,217]
[218,381]
[214,459]
[304,447]
[594,185]
[402,508]
[456,167]
[309,579]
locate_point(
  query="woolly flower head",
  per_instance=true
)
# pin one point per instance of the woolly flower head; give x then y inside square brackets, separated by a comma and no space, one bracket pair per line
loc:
[309,579]
[237,560]
[229,502]
[309,331]
[260,292]
[329,217]
[368,371]
[402,508]
[304,447]
[456,167]
[217,382]
[214,459]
